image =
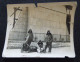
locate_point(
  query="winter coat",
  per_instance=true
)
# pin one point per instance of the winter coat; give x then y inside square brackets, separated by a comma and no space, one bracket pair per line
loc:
[49,39]
[29,38]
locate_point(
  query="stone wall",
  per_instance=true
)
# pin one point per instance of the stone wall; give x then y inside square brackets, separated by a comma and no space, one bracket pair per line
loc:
[39,19]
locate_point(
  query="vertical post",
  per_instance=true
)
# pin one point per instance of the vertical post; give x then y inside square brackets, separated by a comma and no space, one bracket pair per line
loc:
[27,18]
[60,37]
[14,17]
[68,19]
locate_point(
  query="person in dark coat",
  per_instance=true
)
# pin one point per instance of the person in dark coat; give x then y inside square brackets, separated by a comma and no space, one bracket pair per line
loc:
[40,44]
[29,39]
[49,40]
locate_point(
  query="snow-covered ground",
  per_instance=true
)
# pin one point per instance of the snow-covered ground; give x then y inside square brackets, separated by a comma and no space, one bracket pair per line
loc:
[54,44]
[58,50]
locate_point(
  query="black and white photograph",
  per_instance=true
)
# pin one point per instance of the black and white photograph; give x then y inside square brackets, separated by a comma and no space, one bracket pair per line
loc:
[42,31]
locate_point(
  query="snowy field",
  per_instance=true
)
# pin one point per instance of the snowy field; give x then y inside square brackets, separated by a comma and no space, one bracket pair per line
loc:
[56,52]
[59,50]
[18,45]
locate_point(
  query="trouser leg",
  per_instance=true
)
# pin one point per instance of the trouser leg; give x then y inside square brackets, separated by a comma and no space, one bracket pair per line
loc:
[50,47]
[40,49]
[45,48]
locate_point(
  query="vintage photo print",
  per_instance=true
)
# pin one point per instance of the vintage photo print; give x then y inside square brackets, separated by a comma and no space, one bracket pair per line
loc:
[42,31]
